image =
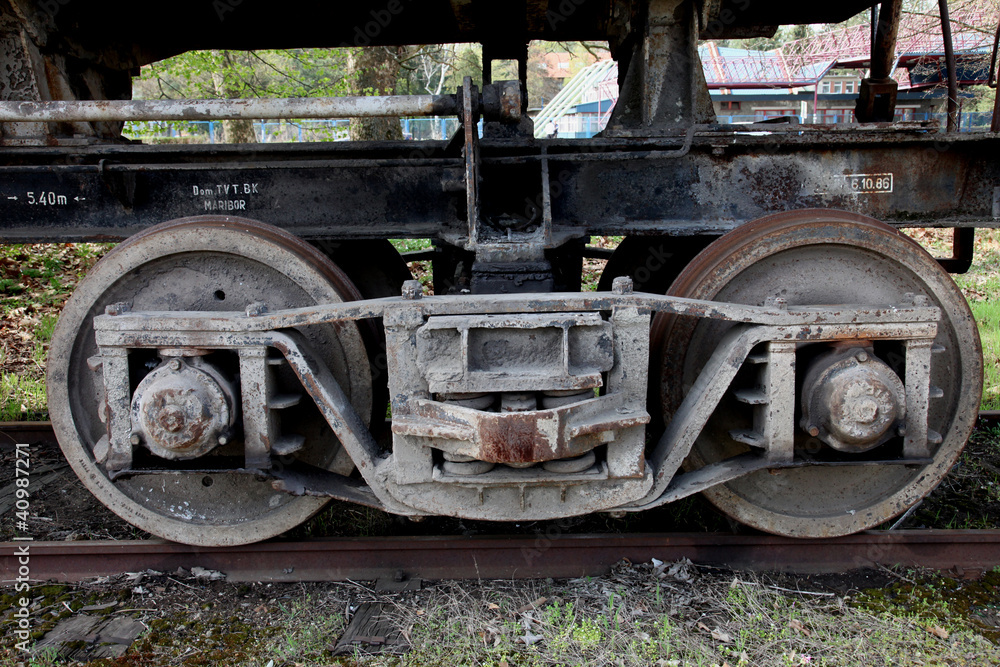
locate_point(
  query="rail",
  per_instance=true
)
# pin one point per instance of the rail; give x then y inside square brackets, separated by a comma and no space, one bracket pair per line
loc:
[964,552]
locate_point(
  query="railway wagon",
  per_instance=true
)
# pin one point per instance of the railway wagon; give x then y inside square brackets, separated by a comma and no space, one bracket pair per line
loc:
[763,335]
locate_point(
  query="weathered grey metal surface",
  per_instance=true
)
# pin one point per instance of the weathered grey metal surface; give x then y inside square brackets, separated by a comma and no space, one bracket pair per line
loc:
[852,400]
[465,354]
[182,410]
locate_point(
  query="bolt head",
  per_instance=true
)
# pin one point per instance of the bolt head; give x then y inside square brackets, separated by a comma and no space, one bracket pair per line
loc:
[412,290]
[117,308]
[172,419]
[135,439]
[622,285]
[175,364]
[861,356]
[813,430]
[256,309]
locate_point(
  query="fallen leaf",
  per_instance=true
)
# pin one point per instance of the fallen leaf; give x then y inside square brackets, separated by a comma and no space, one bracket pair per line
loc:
[796,625]
[720,636]
[937,631]
[530,639]
[532,605]
[492,606]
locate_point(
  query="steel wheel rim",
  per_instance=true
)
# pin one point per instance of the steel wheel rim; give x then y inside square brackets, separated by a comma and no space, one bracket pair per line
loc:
[250,258]
[823,502]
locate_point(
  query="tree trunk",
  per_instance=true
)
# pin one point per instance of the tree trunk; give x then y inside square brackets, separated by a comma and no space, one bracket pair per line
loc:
[238,131]
[373,70]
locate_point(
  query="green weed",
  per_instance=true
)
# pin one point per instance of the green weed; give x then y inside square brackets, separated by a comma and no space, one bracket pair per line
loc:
[22,398]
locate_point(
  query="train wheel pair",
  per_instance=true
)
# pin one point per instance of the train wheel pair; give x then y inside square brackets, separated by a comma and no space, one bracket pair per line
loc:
[223,264]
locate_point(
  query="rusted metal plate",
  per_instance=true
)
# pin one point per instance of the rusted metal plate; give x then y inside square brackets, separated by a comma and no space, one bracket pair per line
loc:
[519,437]
[339,559]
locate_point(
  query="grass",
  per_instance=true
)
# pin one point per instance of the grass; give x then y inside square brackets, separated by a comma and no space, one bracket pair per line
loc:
[987,314]
[981,286]
[646,614]
[22,398]
[636,616]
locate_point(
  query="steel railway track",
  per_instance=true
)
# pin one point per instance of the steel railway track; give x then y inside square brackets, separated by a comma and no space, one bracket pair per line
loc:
[964,552]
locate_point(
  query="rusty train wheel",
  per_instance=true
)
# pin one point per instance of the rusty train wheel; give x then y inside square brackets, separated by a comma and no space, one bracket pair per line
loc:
[207,263]
[816,257]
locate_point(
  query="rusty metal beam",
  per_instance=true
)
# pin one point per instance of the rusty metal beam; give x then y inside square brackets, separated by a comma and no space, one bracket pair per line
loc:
[522,557]
[231,109]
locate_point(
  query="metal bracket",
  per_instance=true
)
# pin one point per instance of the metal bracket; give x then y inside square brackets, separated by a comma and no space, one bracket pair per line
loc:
[701,401]
[876,101]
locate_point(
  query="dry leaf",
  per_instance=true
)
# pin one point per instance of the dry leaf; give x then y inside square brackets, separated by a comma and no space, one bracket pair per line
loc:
[796,625]
[937,631]
[702,626]
[720,636]
[532,605]
[529,638]
[419,612]
[492,606]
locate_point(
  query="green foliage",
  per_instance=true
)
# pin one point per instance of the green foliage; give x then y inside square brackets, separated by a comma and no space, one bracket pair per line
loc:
[237,74]
[983,99]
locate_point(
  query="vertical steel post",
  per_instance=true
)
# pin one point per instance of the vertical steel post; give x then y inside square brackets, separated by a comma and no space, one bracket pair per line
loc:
[949,58]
